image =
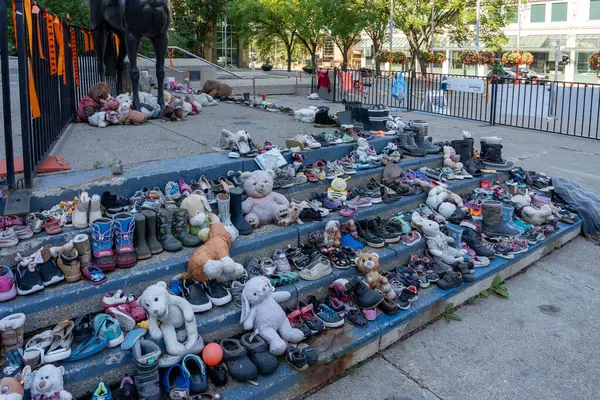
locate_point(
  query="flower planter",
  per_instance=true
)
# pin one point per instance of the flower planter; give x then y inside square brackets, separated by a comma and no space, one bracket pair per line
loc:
[266,67]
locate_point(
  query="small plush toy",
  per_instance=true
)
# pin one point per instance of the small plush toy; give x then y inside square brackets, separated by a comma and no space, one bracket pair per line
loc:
[292,216]
[149,105]
[263,206]
[134,117]
[368,264]
[446,203]
[167,97]
[531,214]
[187,108]
[125,103]
[12,388]
[173,312]
[205,100]
[196,107]
[332,234]
[46,383]
[395,124]
[261,311]
[238,141]
[212,261]
[110,104]
[438,243]
[337,190]
[362,151]
[214,88]
[91,102]
[102,119]
[451,159]
[173,112]
[198,209]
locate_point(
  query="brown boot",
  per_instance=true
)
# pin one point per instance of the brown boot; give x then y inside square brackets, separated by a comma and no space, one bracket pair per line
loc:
[12,330]
[84,249]
[68,262]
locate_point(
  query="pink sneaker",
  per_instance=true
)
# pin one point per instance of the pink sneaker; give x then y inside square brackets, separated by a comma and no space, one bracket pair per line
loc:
[8,288]
[411,238]
[370,315]
[358,202]
[348,211]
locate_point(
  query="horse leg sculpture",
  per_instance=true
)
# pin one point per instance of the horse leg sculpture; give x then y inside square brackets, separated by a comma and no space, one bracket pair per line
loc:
[100,45]
[133,44]
[160,50]
[121,62]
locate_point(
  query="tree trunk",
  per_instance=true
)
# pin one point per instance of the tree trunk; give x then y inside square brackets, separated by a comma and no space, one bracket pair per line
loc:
[375,51]
[289,49]
[423,65]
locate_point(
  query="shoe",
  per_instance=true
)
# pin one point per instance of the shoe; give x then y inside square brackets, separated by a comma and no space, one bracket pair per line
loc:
[280,261]
[296,321]
[411,238]
[102,392]
[252,267]
[534,237]
[23,231]
[236,358]
[421,138]
[8,238]
[237,216]
[258,352]
[376,228]
[195,294]
[151,237]
[207,189]
[500,250]
[12,331]
[68,263]
[113,204]
[82,244]
[370,238]
[493,224]
[349,241]
[142,250]
[103,231]
[464,148]
[310,318]
[309,214]
[491,154]
[359,202]
[195,369]
[80,212]
[145,359]
[317,268]
[296,358]
[470,236]
[406,142]
[449,280]
[165,237]
[329,317]
[284,179]
[365,298]
[8,287]
[127,389]
[108,328]
[179,228]
[122,313]
[49,271]
[175,377]
[218,295]
[95,209]
[125,255]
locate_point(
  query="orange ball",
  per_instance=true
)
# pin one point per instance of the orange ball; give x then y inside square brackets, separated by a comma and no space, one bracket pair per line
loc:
[380,133]
[212,354]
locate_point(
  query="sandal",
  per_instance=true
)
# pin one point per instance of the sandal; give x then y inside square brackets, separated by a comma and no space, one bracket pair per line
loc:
[356,318]
[52,226]
[93,275]
[138,313]
[92,345]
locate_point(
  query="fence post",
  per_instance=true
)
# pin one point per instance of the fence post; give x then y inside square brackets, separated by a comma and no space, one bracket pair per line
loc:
[334,82]
[410,90]
[8,139]
[494,100]
[23,93]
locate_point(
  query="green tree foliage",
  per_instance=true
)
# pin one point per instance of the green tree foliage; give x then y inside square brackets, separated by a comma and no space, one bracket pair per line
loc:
[376,14]
[309,22]
[193,24]
[78,10]
[345,23]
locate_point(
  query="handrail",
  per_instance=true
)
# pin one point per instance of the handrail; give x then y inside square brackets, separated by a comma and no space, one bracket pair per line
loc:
[206,61]
[166,66]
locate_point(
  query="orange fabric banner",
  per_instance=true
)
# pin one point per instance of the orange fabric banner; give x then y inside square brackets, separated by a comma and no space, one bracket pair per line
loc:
[117,43]
[29,21]
[51,42]
[86,42]
[74,55]
[60,39]
[33,98]
[14,14]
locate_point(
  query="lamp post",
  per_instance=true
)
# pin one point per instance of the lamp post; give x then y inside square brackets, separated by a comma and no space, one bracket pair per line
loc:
[391,29]
[477,24]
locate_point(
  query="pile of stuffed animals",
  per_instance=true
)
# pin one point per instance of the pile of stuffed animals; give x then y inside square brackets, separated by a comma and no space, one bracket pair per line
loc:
[100,109]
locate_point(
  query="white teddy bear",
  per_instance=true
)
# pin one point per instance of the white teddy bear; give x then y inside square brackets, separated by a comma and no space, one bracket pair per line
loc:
[438,243]
[205,100]
[443,201]
[530,214]
[125,103]
[102,119]
[362,151]
[451,159]
[46,382]
[173,312]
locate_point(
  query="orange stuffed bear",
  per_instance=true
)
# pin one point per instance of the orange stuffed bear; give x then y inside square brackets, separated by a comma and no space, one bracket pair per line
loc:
[212,261]
[368,264]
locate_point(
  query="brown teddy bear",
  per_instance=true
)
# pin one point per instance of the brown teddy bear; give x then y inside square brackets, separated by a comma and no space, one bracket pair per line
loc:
[211,260]
[216,89]
[134,117]
[368,264]
[92,101]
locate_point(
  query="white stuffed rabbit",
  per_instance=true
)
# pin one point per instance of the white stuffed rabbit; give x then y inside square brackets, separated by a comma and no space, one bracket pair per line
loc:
[261,311]
[438,243]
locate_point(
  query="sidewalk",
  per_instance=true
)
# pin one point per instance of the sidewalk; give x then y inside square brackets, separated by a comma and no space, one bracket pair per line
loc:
[538,344]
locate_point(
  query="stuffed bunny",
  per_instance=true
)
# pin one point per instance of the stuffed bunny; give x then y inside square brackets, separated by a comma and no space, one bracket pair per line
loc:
[261,311]
[437,242]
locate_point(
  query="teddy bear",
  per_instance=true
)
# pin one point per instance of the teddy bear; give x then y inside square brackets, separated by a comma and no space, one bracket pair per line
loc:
[133,117]
[205,100]
[46,383]
[451,159]
[102,119]
[196,106]
[187,108]
[437,242]
[172,312]
[212,261]
[12,388]
[125,103]
[215,89]
[292,216]
[261,311]
[332,234]
[368,264]
[531,214]
[362,151]
[91,102]
[173,111]
[446,203]
[263,206]
[110,104]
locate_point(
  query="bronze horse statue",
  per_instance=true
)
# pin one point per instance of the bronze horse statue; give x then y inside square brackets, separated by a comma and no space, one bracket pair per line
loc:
[130,21]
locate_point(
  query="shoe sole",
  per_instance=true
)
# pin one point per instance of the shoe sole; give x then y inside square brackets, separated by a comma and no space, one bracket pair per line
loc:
[332,324]
[54,280]
[314,278]
[376,200]
[144,257]
[376,245]
[393,240]
[220,301]
[198,308]
[117,341]
[34,289]
[506,257]
[9,244]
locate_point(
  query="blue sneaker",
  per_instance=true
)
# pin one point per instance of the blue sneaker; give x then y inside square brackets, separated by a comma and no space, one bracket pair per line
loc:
[330,318]
[196,370]
[348,240]
[107,327]
[102,392]
[175,378]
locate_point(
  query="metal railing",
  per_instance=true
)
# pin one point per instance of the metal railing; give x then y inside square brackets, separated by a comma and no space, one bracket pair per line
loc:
[567,108]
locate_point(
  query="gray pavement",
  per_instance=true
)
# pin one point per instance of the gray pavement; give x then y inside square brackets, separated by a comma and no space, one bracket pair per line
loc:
[541,343]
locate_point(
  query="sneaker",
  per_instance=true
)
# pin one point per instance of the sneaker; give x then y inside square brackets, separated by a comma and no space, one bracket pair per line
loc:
[329,317]
[318,268]
[339,168]
[382,232]
[50,273]
[330,170]
[175,287]
[195,293]
[358,202]
[108,328]
[406,297]
[310,318]
[280,261]
[252,266]
[295,318]
[533,237]
[8,238]
[102,392]
[23,231]
[309,214]
[8,287]
[298,259]
[371,239]
[284,179]
[411,238]
[365,298]
[349,241]
[372,192]
[122,313]
[500,250]
[216,293]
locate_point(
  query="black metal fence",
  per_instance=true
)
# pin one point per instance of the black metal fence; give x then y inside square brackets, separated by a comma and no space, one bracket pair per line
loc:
[557,107]
[56,66]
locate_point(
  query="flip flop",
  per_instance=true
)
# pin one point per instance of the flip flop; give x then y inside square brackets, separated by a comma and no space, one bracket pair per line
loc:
[92,345]
[133,336]
[93,275]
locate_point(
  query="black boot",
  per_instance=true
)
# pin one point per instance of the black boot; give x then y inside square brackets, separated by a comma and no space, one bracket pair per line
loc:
[164,236]
[179,228]
[151,240]
[143,251]
[237,216]
[421,138]
[470,236]
[491,154]
[492,220]
[464,148]
[407,143]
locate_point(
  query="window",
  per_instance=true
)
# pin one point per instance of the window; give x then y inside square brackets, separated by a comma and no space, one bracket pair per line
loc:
[538,13]
[559,12]
[594,9]
[583,64]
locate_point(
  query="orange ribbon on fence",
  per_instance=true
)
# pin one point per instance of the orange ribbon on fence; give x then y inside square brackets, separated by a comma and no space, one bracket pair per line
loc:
[36,10]
[74,55]
[117,43]
[33,97]
[14,14]
[60,39]
[171,54]
[571,84]
[86,42]
[51,42]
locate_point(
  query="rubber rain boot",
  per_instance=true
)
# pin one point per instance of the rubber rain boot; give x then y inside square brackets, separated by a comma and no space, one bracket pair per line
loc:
[151,238]
[142,249]
[164,235]
[223,203]
[126,256]
[237,216]
[455,232]
[493,224]
[180,230]
[103,231]
[508,211]
[145,359]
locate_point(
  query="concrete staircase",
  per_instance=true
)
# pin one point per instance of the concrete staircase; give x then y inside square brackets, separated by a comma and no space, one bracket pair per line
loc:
[338,348]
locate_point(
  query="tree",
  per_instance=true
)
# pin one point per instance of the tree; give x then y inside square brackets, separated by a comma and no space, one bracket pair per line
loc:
[376,14]
[264,19]
[309,22]
[454,18]
[78,10]
[345,23]
[193,23]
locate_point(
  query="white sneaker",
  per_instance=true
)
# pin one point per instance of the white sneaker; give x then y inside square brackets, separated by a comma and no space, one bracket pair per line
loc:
[80,213]
[311,142]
